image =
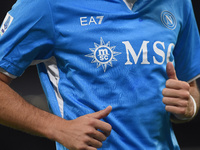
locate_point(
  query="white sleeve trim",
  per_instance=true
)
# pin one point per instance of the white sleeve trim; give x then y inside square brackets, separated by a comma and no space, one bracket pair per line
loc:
[7,73]
[198,76]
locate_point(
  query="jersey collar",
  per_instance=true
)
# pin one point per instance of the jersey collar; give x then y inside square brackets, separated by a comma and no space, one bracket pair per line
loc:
[130,3]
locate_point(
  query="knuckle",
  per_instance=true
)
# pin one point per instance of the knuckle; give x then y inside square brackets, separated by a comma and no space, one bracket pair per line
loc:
[183,103]
[164,100]
[104,138]
[168,82]
[182,111]
[164,91]
[109,127]
[167,108]
[85,140]
[81,146]
[91,122]
[186,86]
[90,131]
[108,130]
[99,145]
[186,94]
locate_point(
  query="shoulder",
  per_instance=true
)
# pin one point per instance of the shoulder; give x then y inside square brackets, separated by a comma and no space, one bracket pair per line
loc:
[183,10]
[183,5]
[23,8]
[28,13]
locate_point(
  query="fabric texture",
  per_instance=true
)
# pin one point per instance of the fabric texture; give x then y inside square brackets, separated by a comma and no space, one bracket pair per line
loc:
[95,53]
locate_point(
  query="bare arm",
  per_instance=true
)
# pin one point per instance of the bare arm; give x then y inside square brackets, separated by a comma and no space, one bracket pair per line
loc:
[15,111]
[177,97]
[80,133]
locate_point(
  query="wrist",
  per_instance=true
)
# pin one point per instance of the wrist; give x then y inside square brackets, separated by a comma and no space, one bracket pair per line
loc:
[57,130]
[53,128]
[194,111]
[195,107]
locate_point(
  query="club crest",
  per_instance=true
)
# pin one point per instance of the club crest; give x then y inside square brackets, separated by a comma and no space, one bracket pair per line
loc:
[168,20]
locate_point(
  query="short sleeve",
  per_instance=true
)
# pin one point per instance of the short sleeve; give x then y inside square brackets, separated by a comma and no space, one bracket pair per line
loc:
[26,35]
[187,49]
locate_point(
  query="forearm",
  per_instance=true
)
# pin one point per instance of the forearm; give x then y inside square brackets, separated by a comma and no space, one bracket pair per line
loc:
[80,133]
[15,112]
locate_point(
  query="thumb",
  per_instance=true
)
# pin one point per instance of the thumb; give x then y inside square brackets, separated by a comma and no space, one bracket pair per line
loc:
[171,73]
[101,114]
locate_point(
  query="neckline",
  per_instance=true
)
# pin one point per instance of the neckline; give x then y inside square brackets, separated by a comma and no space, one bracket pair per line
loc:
[129,3]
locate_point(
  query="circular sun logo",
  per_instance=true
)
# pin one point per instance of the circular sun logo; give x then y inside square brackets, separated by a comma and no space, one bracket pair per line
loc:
[103,54]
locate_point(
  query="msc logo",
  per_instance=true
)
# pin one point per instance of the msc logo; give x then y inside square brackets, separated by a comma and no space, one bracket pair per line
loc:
[103,54]
[168,20]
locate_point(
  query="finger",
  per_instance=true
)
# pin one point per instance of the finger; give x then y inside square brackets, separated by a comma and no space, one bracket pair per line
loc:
[175,102]
[171,73]
[94,143]
[98,135]
[91,148]
[104,127]
[177,84]
[101,114]
[176,110]
[183,94]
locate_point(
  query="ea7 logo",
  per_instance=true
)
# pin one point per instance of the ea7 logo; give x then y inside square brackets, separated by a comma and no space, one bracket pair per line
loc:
[92,20]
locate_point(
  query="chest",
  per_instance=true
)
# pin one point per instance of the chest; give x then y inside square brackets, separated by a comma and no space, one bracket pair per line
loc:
[105,33]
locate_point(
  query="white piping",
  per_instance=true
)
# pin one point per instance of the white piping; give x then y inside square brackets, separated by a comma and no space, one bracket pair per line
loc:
[53,73]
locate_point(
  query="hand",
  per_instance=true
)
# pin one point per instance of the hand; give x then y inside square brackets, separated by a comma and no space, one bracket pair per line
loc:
[86,132]
[177,96]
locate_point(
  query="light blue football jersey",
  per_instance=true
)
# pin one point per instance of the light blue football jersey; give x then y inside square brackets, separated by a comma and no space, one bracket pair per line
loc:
[95,53]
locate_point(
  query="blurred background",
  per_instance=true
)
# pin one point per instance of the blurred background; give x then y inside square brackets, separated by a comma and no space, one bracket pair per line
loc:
[187,134]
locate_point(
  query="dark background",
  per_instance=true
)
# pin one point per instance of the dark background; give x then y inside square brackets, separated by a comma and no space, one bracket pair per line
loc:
[187,134]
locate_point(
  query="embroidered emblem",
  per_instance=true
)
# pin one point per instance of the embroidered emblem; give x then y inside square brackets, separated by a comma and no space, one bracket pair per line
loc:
[168,20]
[103,54]
[6,23]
